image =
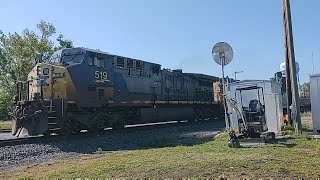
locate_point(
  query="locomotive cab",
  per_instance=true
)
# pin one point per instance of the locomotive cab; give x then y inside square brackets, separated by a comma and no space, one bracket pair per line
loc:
[71,79]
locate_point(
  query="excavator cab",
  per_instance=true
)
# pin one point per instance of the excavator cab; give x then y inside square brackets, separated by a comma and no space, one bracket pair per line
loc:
[253,109]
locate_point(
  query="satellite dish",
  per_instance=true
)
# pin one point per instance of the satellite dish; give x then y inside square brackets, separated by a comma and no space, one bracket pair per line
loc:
[283,67]
[222,53]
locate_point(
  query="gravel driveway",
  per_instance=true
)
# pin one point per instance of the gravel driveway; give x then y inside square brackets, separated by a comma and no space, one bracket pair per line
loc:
[21,155]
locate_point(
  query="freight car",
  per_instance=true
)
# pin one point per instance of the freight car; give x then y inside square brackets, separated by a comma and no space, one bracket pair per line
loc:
[80,88]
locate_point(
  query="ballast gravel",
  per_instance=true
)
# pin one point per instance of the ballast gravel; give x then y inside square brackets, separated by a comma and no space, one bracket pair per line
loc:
[12,157]
[4,136]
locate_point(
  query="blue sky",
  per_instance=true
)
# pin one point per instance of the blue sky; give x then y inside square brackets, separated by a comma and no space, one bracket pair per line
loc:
[180,33]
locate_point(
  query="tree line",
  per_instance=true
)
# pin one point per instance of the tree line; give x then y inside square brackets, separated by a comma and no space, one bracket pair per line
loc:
[20,52]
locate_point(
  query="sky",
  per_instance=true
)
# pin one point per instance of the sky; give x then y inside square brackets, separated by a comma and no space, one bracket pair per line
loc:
[180,34]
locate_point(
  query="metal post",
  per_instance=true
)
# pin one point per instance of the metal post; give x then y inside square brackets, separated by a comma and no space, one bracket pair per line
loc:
[312,63]
[292,67]
[41,88]
[28,90]
[226,117]
[20,91]
[235,74]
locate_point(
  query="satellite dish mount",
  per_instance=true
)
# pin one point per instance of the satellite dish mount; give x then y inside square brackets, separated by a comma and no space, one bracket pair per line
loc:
[222,54]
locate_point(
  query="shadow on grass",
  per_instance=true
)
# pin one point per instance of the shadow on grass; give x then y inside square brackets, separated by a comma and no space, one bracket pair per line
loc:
[187,135]
[283,142]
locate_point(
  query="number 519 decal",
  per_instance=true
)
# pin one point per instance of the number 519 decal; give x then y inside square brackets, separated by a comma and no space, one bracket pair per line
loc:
[101,76]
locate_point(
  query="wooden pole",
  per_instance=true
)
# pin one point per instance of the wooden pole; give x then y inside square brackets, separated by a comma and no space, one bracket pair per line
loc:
[286,56]
[295,107]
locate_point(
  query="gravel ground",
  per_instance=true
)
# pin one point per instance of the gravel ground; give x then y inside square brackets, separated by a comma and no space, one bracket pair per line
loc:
[4,136]
[21,155]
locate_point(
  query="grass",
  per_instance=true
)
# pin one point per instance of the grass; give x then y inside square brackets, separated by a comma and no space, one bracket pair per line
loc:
[297,157]
[5,125]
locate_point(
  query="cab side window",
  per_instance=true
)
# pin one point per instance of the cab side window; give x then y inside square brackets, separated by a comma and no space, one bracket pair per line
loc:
[120,62]
[129,63]
[96,61]
[139,65]
[90,61]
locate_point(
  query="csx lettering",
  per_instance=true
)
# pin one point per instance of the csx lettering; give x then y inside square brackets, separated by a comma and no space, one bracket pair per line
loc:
[57,75]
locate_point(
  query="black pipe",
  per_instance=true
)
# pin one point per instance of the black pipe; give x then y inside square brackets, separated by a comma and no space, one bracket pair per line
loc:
[41,89]
[20,93]
[28,89]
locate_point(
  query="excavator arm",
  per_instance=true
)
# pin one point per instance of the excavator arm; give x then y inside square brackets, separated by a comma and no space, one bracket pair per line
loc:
[232,103]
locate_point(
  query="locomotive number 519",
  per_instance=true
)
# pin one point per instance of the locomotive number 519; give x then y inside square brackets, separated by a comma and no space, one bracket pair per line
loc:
[101,76]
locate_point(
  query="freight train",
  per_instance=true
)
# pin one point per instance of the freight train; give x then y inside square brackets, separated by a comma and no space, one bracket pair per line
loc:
[80,88]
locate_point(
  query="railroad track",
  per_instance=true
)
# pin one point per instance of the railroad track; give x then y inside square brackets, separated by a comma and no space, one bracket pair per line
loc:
[5,130]
[82,135]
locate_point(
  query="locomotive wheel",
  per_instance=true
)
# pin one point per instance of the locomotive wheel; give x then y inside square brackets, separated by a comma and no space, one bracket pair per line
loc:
[67,128]
[98,126]
[119,123]
[65,132]
[47,133]
[77,128]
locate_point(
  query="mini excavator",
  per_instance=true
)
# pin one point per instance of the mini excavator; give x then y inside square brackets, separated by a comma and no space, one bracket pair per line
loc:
[251,118]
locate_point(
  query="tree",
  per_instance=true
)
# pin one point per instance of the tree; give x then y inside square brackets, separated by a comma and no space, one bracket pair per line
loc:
[65,43]
[19,53]
[305,88]
[4,104]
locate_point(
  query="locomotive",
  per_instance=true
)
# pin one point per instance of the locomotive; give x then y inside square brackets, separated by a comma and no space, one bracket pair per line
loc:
[84,89]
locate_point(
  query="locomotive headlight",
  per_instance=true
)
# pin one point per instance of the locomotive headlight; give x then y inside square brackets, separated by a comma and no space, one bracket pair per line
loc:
[46,71]
[38,70]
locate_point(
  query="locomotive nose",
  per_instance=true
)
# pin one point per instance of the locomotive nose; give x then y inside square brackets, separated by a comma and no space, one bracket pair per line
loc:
[29,115]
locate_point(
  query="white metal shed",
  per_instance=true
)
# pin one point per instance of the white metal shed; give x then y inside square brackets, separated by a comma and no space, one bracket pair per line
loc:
[272,97]
[315,101]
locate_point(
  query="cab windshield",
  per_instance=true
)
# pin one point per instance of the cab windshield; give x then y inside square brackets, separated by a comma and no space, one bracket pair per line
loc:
[67,57]
[72,57]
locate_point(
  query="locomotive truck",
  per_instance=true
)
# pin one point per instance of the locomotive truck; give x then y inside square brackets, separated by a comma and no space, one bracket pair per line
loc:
[84,89]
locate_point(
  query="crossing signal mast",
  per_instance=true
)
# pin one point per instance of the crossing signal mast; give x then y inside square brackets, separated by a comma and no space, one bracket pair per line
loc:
[293,104]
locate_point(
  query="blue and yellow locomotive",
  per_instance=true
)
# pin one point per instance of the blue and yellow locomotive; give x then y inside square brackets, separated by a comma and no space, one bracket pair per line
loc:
[79,88]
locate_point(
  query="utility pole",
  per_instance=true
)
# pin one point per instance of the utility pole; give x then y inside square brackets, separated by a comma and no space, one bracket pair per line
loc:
[286,56]
[291,65]
[235,74]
